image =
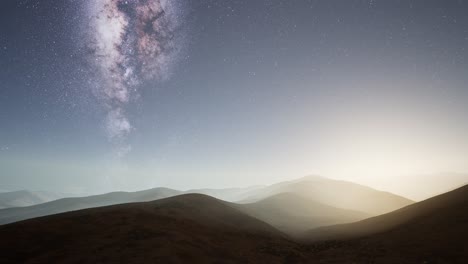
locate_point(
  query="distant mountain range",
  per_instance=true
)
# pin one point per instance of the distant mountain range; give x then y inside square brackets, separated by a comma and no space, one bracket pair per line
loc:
[294,214]
[319,201]
[336,193]
[27,198]
[196,228]
[76,203]
[228,194]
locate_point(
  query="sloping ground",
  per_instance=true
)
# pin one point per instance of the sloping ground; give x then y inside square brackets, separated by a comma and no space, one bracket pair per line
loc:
[195,228]
[189,228]
[339,194]
[294,214]
[26,198]
[431,231]
[10,215]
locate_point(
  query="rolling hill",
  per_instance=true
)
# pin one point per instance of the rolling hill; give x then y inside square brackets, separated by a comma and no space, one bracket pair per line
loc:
[294,214]
[190,228]
[196,228]
[10,215]
[431,231]
[317,191]
[335,193]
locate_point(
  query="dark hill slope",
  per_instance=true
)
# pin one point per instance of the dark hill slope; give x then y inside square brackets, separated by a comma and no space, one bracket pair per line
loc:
[189,228]
[431,231]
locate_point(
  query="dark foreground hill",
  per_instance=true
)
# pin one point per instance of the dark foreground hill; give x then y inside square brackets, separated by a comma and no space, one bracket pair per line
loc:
[431,231]
[199,229]
[189,228]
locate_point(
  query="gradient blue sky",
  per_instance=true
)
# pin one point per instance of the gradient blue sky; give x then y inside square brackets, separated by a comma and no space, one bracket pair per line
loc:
[262,91]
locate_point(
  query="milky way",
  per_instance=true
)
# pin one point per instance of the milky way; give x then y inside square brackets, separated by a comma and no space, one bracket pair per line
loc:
[131,41]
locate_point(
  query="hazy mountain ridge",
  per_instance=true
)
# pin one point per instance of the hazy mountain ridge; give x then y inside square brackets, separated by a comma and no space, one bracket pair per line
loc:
[76,203]
[310,188]
[27,198]
[227,194]
[336,193]
[294,214]
[197,228]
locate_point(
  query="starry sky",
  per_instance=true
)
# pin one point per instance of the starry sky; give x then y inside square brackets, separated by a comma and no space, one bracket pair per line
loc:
[106,95]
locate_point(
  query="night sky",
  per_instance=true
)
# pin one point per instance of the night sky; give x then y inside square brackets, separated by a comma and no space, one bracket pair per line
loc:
[105,95]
